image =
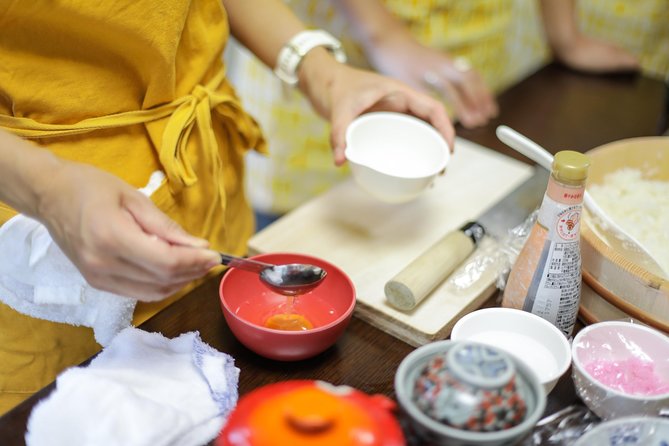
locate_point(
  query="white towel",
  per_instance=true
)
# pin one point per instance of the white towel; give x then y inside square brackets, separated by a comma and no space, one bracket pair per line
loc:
[39,280]
[143,389]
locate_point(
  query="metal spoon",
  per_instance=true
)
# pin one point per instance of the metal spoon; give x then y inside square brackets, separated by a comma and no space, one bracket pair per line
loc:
[618,238]
[289,279]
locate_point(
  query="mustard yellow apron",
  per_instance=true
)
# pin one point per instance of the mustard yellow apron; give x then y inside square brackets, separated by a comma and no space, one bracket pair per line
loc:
[129,86]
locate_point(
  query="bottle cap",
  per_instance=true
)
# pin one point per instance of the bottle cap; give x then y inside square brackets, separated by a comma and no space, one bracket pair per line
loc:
[570,166]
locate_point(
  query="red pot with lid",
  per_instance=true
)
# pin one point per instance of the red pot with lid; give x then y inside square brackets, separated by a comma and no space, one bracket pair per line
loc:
[304,412]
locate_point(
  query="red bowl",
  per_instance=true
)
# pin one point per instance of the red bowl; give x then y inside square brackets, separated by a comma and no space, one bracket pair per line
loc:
[247,303]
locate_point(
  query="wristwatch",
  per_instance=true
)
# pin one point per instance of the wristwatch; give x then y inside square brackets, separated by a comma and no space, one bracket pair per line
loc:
[293,52]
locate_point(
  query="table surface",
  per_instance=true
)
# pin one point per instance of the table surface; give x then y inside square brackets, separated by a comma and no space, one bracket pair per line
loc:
[556,107]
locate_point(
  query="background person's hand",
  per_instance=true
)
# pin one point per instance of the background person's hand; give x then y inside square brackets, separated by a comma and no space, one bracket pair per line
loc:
[341,93]
[433,71]
[118,239]
[577,50]
[392,50]
[591,55]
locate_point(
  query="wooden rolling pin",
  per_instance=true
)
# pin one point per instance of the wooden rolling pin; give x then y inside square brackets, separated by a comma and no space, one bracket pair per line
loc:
[411,285]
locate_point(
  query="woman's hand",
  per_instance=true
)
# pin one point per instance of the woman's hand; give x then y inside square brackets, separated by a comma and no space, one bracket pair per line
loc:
[433,71]
[118,239]
[341,93]
[392,50]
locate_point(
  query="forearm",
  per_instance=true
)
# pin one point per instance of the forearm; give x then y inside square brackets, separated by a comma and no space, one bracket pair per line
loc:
[263,26]
[266,32]
[23,169]
[560,22]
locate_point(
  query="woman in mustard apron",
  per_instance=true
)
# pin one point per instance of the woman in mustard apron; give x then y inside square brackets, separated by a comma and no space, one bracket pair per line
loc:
[132,87]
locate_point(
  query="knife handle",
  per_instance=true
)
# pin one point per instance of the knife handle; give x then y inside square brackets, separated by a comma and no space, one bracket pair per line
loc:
[411,285]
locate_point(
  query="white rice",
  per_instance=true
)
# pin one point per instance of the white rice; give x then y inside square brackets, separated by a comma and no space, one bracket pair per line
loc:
[639,206]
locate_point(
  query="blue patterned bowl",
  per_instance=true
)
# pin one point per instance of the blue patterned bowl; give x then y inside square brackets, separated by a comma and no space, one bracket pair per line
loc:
[471,387]
[628,431]
[468,393]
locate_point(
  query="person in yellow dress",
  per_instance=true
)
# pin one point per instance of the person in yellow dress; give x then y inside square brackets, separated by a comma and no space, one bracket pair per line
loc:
[97,96]
[464,52]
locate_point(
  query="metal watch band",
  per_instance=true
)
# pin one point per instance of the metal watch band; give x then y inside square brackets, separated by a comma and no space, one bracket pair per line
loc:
[292,53]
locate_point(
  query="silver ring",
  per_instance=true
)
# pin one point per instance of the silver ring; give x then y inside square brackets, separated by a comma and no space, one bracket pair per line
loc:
[462,64]
[431,79]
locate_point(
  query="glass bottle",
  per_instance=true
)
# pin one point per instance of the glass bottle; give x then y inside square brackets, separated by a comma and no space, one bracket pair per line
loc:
[546,278]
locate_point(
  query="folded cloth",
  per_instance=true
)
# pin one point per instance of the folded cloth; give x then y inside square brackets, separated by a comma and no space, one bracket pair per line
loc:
[143,389]
[39,280]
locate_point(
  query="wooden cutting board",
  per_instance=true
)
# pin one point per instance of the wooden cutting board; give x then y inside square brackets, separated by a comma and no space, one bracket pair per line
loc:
[372,241]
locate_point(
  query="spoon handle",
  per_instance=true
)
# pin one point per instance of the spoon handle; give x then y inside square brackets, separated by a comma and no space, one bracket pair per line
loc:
[525,146]
[246,264]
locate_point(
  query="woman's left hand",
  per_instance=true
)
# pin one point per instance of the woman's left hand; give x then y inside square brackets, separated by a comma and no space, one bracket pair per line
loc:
[341,93]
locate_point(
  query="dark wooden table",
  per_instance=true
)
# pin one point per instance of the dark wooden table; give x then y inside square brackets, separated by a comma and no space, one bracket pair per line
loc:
[556,107]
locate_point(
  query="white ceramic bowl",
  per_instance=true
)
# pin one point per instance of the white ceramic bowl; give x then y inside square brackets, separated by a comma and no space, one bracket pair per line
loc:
[620,341]
[435,433]
[394,156]
[530,338]
[628,431]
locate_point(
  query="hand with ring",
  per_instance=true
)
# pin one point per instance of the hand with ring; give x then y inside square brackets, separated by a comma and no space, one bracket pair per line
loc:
[433,71]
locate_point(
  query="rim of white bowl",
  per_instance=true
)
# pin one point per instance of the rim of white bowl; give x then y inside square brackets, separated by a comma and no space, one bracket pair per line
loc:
[578,365]
[434,134]
[564,342]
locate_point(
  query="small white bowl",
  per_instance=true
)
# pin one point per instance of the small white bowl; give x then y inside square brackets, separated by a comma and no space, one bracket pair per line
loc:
[394,156]
[530,338]
[628,431]
[619,341]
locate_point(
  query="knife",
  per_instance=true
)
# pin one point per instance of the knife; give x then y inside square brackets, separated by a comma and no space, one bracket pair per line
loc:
[417,280]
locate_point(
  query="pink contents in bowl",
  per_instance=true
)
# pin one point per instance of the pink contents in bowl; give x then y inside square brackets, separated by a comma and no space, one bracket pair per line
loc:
[632,376]
[621,369]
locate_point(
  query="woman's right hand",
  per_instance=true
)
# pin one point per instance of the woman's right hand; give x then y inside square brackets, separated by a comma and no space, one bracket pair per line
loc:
[118,239]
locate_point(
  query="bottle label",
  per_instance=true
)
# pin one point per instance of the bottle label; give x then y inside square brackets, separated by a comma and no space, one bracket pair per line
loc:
[555,288]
